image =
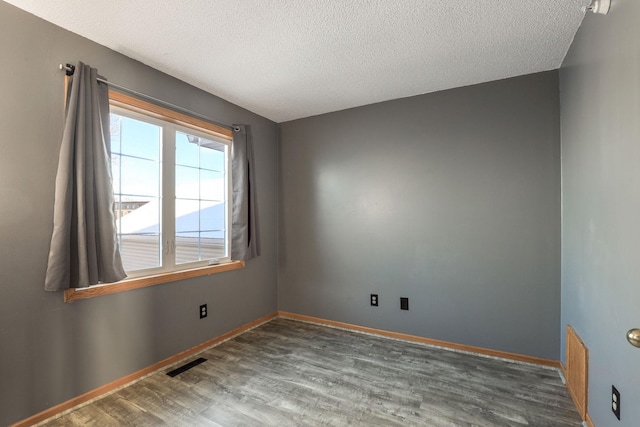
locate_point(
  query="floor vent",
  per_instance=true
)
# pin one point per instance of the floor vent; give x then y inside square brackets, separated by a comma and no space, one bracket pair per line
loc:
[577,371]
[186,367]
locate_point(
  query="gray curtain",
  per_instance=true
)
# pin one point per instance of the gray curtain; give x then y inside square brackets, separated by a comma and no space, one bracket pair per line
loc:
[84,247]
[245,237]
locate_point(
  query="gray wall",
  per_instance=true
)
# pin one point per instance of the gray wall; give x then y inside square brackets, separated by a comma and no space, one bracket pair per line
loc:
[51,351]
[451,199]
[600,97]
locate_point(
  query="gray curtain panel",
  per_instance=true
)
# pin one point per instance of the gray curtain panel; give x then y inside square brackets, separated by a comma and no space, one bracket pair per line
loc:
[245,232]
[84,247]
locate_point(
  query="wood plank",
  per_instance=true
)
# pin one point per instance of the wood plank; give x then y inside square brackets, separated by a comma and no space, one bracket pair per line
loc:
[423,340]
[131,378]
[128,102]
[291,373]
[229,370]
[75,294]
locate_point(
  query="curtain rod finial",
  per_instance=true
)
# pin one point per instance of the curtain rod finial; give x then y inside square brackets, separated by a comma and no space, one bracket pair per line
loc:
[68,69]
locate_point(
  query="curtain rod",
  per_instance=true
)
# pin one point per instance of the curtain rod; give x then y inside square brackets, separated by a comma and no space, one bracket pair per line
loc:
[70,69]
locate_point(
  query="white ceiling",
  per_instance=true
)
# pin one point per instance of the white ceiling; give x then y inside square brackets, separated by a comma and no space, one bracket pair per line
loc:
[287,59]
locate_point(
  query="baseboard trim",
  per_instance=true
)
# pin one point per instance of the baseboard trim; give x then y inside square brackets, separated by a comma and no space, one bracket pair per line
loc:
[121,382]
[422,340]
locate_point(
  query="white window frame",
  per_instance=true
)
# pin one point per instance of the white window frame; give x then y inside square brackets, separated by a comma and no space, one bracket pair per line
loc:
[168,193]
[168,178]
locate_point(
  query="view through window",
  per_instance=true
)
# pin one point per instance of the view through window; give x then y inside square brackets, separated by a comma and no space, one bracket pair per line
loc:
[171,186]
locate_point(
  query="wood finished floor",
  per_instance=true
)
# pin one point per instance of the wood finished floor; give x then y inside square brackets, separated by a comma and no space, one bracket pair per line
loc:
[289,373]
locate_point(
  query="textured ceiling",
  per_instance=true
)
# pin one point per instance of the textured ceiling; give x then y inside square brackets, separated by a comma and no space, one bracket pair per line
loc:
[287,59]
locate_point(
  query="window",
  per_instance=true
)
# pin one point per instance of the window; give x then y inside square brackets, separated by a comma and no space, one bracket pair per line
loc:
[172,186]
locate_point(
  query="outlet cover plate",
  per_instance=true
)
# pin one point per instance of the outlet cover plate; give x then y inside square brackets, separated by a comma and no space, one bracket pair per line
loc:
[615,402]
[203,311]
[404,303]
[374,300]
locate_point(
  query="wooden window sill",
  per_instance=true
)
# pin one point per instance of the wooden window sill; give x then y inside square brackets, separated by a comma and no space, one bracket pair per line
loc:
[76,294]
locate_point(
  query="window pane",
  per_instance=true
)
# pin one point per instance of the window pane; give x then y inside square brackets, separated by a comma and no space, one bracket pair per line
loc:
[212,185]
[187,215]
[137,187]
[212,244]
[187,247]
[140,139]
[137,215]
[199,230]
[139,177]
[194,246]
[140,251]
[187,182]
[186,151]
[200,177]
[212,216]
[138,225]
[212,159]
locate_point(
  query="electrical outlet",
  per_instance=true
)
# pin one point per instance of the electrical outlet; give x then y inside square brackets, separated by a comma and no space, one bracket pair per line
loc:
[374,300]
[404,303]
[203,311]
[615,402]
